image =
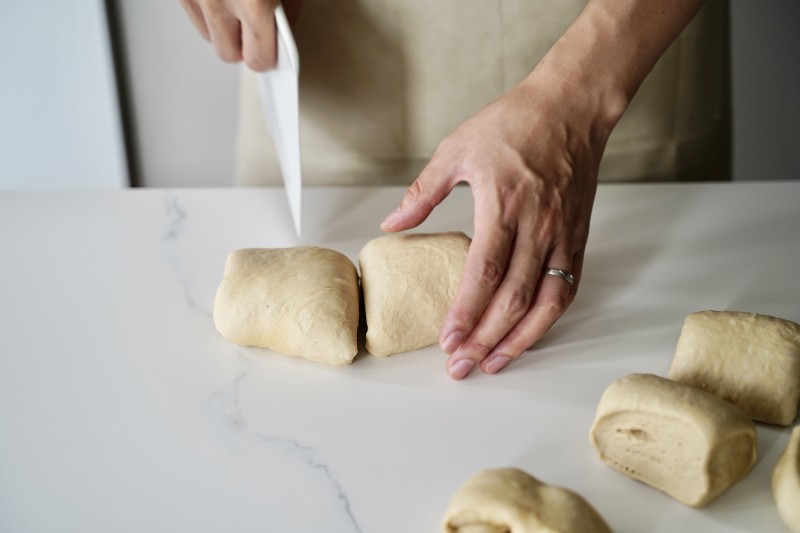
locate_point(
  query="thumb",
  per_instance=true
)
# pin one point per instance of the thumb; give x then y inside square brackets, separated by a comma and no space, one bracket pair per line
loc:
[419,201]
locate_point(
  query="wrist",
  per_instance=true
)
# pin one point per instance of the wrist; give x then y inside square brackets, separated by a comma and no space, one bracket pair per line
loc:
[604,56]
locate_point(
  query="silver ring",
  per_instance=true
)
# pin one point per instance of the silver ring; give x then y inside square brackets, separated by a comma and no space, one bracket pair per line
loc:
[563,274]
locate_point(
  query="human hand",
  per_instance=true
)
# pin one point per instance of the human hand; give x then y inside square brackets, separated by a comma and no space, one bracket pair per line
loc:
[241,29]
[531,160]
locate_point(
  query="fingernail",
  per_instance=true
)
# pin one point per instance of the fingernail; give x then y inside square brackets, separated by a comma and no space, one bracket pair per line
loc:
[495,364]
[460,369]
[452,341]
[392,218]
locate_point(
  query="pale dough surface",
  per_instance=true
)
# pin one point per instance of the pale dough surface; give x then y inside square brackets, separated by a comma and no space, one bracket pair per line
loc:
[786,483]
[508,500]
[674,437]
[300,301]
[409,282]
[750,360]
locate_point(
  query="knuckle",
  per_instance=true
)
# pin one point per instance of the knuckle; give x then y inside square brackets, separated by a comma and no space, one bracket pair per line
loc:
[478,346]
[518,302]
[460,319]
[482,349]
[554,215]
[413,194]
[489,273]
[515,347]
[555,306]
[482,346]
[415,190]
[260,63]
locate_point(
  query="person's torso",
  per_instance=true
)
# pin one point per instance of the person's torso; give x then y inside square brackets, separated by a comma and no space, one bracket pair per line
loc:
[384,81]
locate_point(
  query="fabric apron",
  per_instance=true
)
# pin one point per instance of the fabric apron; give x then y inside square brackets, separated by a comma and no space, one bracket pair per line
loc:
[382,82]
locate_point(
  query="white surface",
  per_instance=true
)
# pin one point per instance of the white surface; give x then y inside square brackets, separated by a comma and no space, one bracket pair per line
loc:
[59,115]
[280,99]
[122,409]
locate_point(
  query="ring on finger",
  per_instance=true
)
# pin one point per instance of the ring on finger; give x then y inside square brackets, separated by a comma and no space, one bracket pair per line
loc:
[559,273]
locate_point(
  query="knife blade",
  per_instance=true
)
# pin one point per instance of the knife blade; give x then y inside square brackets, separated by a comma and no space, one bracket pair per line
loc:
[280,102]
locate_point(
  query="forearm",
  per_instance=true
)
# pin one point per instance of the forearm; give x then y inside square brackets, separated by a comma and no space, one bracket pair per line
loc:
[610,48]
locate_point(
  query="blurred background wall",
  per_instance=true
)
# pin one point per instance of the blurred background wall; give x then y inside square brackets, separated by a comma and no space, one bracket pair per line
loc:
[60,123]
[60,120]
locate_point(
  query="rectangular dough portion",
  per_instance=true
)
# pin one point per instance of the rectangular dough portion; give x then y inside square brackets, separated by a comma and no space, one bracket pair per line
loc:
[674,437]
[750,360]
[300,301]
[409,282]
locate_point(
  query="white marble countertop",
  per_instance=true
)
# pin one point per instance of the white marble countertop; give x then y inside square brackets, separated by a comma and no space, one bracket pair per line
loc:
[122,409]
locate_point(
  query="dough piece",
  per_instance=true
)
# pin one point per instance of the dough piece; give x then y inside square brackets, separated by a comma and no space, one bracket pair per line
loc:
[299,301]
[673,437]
[508,500]
[749,360]
[786,483]
[409,282]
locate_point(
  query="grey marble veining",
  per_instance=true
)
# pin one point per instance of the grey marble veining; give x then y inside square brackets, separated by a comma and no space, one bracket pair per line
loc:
[176,220]
[225,409]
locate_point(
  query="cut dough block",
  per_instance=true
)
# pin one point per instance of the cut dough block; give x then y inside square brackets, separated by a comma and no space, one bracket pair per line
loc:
[409,282]
[786,483]
[673,437]
[749,360]
[508,500]
[299,301]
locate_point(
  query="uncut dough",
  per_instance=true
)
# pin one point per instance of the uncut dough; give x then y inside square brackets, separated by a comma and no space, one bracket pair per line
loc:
[409,282]
[508,500]
[786,483]
[749,360]
[673,437]
[300,301]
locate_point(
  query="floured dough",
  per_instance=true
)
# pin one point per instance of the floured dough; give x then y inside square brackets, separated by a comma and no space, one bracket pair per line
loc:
[409,282]
[786,483]
[674,437]
[750,360]
[508,500]
[299,301]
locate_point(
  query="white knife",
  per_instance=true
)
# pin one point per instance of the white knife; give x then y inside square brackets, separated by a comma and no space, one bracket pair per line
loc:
[280,102]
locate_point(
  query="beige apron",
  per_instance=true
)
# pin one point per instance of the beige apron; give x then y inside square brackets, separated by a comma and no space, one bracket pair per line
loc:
[382,82]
